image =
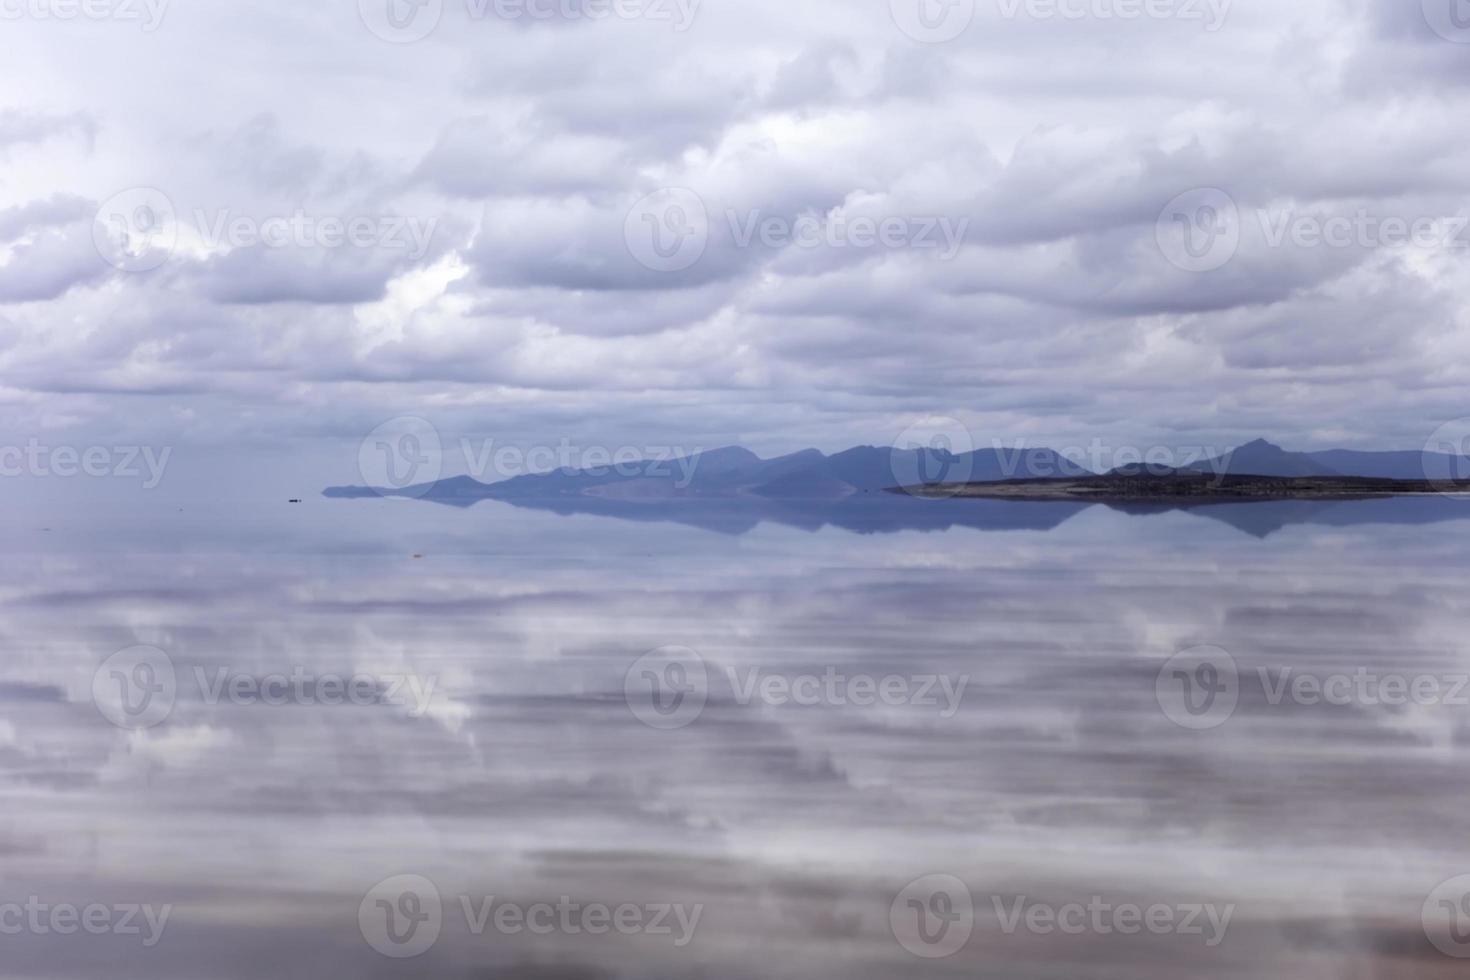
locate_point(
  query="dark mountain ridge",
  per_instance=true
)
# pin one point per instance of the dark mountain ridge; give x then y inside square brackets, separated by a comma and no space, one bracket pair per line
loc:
[734,471]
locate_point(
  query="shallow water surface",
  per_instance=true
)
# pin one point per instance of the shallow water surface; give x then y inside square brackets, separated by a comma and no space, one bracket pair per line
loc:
[908,738]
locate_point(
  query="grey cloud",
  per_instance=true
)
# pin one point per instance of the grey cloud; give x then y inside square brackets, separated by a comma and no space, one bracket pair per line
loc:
[19,127]
[1058,142]
[478,158]
[47,264]
[262,275]
[54,211]
[262,153]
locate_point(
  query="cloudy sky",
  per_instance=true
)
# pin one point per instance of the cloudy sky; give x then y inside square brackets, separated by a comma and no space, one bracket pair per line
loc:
[267,228]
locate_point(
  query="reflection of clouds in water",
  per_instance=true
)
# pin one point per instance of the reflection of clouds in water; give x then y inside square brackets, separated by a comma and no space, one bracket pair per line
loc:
[1059,775]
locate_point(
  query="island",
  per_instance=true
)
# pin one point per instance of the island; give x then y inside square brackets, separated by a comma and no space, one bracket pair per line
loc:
[1185,486]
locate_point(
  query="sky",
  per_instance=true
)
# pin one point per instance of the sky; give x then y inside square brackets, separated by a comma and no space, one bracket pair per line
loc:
[253,234]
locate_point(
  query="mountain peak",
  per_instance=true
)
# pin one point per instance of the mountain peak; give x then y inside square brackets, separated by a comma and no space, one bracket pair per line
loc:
[1264,458]
[727,456]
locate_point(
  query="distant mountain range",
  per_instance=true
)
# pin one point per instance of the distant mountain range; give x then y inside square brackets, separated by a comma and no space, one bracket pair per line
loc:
[735,472]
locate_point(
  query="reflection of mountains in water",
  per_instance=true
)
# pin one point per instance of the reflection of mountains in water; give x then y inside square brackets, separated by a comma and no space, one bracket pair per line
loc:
[1263,518]
[869,514]
[732,490]
[879,513]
